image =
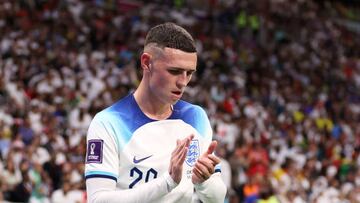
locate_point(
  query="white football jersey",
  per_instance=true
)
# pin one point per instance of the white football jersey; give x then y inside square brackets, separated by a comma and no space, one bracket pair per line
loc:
[125,145]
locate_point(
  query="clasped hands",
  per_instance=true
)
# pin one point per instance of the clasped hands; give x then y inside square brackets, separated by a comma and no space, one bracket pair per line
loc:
[203,168]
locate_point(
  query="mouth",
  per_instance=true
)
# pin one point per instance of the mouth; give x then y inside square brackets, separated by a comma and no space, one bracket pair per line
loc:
[177,93]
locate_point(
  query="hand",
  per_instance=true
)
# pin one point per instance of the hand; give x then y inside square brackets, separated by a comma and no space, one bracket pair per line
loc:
[205,165]
[178,157]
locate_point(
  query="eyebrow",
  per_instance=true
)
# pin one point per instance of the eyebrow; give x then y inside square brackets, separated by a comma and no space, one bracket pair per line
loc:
[183,69]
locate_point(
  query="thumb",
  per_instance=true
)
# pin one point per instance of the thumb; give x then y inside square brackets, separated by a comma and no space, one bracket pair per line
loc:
[212,147]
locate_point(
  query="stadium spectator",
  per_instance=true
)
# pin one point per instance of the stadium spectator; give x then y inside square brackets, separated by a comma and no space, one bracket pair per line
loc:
[285,74]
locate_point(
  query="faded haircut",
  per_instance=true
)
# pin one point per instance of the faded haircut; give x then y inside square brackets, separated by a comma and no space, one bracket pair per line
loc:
[172,36]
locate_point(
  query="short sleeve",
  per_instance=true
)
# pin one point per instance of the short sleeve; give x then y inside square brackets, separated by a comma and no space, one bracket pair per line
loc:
[102,157]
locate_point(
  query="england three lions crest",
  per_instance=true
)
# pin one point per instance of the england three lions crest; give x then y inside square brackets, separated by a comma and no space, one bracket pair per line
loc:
[193,153]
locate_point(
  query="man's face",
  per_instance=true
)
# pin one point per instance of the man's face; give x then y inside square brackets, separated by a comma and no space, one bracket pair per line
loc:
[169,74]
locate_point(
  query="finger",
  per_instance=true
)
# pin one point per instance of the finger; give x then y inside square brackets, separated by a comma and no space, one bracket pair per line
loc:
[189,138]
[176,151]
[215,160]
[183,155]
[176,164]
[197,174]
[212,147]
[202,169]
[200,174]
[180,157]
[179,145]
[208,164]
[180,152]
[185,142]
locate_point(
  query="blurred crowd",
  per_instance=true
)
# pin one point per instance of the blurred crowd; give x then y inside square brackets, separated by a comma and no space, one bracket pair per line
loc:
[279,79]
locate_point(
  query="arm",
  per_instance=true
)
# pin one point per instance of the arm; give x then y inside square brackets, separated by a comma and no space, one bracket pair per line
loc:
[206,177]
[207,180]
[101,176]
[213,190]
[104,190]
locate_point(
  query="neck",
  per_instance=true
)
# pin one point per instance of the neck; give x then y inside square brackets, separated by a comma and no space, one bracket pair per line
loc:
[151,106]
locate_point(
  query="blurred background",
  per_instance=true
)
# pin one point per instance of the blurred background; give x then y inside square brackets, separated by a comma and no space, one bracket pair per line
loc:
[279,79]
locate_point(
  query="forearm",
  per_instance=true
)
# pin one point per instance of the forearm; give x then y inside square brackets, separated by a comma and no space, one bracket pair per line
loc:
[102,190]
[212,190]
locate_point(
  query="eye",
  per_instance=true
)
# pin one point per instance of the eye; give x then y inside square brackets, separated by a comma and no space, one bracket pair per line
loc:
[190,72]
[175,71]
[180,72]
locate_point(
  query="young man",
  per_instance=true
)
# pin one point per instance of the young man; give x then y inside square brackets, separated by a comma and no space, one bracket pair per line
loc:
[151,146]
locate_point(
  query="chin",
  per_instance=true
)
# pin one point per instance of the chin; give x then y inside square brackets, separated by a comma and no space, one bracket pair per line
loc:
[174,100]
[175,97]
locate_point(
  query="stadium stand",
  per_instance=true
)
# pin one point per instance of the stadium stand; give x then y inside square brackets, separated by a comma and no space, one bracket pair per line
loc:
[280,81]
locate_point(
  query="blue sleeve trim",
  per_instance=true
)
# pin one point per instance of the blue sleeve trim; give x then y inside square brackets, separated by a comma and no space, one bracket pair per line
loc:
[100,176]
[217,170]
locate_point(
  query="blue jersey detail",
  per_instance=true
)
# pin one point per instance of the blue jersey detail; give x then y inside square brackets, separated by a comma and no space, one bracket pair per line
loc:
[193,115]
[218,168]
[125,117]
[102,174]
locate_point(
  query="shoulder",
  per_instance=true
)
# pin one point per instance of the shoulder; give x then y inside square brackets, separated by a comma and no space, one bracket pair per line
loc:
[118,111]
[116,119]
[114,123]
[193,115]
[188,110]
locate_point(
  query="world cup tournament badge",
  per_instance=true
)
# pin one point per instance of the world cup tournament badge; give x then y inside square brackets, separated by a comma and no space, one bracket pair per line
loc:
[193,153]
[94,151]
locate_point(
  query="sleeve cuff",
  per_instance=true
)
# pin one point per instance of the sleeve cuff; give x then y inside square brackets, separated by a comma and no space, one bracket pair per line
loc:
[170,183]
[203,185]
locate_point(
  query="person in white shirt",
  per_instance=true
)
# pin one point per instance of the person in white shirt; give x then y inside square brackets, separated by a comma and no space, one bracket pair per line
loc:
[151,146]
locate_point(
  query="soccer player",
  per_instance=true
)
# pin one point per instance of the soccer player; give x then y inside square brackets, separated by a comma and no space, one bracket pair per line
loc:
[150,146]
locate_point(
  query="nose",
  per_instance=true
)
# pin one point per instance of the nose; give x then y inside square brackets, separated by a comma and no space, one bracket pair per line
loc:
[182,80]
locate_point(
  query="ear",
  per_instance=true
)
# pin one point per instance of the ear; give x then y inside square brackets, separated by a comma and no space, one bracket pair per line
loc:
[145,61]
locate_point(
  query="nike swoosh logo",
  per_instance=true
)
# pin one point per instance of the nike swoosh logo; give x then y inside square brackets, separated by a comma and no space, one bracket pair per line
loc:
[140,160]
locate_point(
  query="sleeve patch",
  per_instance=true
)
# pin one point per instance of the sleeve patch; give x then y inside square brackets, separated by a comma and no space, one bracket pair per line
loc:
[94,151]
